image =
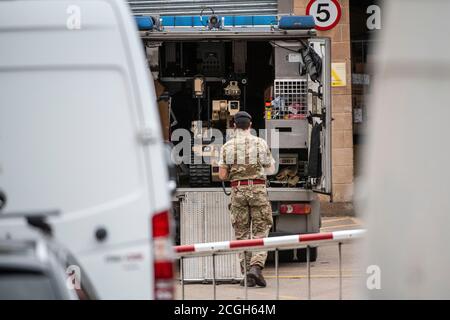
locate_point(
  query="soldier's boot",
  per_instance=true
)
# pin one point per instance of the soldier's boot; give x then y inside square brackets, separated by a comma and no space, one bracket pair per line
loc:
[256,273]
[250,282]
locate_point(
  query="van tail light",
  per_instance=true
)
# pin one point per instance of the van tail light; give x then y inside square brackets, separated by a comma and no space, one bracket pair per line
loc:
[295,208]
[162,256]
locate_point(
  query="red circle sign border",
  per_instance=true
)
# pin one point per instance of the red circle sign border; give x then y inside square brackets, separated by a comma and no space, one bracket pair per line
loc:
[338,18]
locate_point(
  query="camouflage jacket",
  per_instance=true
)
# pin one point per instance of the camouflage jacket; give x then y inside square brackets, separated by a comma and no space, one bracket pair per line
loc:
[245,156]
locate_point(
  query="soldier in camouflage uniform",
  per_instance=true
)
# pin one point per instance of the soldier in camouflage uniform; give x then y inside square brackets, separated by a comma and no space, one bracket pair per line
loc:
[244,160]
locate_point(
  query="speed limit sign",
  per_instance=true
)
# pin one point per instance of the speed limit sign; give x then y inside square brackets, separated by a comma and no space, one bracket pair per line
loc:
[326,13]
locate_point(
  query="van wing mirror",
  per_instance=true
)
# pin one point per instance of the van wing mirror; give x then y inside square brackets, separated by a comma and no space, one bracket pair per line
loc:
[36,219]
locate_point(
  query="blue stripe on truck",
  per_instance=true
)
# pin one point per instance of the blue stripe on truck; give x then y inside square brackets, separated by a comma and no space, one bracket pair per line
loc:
[231,21]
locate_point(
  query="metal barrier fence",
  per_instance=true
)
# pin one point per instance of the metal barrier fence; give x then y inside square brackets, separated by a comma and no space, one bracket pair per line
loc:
[214,249]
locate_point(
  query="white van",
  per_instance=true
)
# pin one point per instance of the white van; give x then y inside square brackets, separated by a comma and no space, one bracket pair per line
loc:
[80,133]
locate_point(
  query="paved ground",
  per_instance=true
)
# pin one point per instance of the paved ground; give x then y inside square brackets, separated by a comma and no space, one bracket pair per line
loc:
[293,276]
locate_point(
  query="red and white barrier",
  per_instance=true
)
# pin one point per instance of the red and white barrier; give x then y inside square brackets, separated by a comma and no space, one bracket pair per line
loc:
[294,241]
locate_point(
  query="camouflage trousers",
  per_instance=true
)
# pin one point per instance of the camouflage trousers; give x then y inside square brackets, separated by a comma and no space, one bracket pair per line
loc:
[251,218]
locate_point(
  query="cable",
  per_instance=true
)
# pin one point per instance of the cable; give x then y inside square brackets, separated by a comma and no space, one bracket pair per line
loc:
[286,48]
[225,190]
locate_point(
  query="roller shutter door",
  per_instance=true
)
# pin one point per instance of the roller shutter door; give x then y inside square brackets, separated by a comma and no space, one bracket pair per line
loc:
[194,7]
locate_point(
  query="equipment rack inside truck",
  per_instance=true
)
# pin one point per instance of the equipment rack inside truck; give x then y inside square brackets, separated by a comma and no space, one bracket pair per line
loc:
[206,68]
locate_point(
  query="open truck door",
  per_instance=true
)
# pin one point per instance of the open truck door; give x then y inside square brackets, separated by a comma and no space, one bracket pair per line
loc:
[269,60]
[319,94]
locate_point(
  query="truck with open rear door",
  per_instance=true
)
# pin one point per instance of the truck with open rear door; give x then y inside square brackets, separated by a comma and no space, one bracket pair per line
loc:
[207,69]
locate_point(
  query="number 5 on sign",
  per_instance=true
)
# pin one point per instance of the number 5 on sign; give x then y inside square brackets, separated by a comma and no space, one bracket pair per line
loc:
[326,13]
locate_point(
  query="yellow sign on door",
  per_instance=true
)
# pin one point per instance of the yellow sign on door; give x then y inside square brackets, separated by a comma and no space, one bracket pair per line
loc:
[338,74]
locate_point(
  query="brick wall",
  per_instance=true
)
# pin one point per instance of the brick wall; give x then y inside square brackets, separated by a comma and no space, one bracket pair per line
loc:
[342,132]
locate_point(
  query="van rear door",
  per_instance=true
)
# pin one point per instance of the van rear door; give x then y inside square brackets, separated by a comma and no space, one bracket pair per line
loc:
[79,133]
